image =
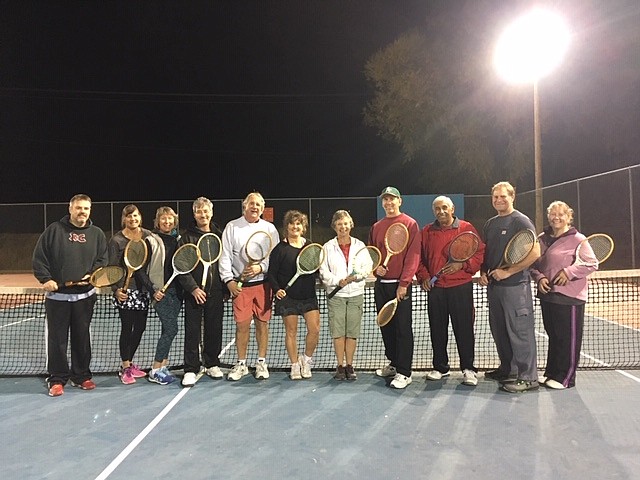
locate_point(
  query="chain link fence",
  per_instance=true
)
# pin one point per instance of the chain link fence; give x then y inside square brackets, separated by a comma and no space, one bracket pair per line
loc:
[602,203]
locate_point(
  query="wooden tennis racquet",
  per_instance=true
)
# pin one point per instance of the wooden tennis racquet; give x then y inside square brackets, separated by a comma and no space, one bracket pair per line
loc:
[101,277]
[185,259]
[135,255]
[387,312]
[210,248]
[308,261]
[518,248]
[462,248]
[365,261]
[256,249]
[594,250]
[396,239]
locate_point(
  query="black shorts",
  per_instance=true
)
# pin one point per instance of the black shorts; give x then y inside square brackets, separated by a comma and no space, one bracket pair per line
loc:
[294,306]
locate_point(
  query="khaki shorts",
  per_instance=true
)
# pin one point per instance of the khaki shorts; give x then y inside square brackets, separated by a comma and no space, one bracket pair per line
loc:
[254,301]
[345,316]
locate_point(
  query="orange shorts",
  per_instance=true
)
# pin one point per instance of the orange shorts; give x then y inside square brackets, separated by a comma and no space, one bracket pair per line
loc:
[254,301]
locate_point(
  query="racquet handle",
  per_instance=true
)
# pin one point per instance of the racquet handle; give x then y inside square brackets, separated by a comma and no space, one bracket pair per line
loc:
[333,292]
[435,278]
[292,281]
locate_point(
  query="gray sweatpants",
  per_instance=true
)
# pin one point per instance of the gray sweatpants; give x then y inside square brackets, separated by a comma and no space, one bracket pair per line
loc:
[513,328]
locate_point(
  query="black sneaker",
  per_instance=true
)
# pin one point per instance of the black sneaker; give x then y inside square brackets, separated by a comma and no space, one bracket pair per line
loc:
[340,373]
[350,373]
[520,386]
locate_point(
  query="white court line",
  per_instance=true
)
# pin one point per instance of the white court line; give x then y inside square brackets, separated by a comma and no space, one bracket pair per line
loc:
[148,429]
[136,441]
[22,321]
[617,324]
[628,375]
[600,362]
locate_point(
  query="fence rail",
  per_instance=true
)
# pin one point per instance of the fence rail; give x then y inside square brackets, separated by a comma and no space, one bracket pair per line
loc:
[602,203]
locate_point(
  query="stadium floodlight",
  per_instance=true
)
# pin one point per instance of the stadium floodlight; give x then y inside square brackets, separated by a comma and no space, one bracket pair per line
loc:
[530,48]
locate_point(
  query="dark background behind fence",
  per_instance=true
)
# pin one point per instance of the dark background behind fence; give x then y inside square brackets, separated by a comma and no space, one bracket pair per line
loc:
[602,203]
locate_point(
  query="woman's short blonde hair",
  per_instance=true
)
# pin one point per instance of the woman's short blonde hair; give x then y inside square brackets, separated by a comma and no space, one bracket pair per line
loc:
[567,210]
[165,211]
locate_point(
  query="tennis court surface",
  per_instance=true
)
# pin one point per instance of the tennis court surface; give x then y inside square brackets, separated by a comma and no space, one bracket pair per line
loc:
[321,428]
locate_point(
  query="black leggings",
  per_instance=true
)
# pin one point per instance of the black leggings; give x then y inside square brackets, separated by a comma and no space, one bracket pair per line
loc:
[134,323]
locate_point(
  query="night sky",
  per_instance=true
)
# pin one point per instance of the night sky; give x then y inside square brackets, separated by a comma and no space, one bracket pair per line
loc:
[132,100]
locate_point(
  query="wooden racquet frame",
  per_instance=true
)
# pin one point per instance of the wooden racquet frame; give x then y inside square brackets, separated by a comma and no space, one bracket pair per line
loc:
[176,272]
[131,269]
[387,312]
[451,260]
[363,274]
[506,261]
[391,252]
[99,273]
[207,263]
[599,255]
[255,261]
[299,270]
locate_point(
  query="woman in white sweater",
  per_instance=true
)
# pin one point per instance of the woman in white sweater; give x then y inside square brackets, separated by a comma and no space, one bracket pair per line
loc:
[345,308]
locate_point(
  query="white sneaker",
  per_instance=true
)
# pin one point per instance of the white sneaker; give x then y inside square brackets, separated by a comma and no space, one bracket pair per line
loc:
[436,375]
[262,372]
[386,371]
[469,378]
[554,384]
[214,372]
[305,367]
[189,379]
[295,371]
[400,381]
[237,372]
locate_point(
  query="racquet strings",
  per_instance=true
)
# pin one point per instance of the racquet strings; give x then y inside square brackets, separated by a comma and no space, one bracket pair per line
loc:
[106,276]
[135,254]
[519,246]
[209,246]
[463,247]
[310,258]
[396,238]
[186,258]
[365,261]
[387,312]
[602,246]
[258,246]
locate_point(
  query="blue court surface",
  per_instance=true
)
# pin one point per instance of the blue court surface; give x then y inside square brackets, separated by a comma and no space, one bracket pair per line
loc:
[321,429]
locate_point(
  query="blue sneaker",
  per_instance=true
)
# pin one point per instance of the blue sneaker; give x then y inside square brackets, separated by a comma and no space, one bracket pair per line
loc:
[161,376]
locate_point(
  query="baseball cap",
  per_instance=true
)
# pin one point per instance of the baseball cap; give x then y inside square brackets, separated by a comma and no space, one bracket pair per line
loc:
[391,191]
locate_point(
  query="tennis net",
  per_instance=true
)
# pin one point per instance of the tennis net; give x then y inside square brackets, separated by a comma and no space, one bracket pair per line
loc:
[611,333]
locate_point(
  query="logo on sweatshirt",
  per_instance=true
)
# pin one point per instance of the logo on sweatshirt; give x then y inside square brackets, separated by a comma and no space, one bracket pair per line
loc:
[77,237]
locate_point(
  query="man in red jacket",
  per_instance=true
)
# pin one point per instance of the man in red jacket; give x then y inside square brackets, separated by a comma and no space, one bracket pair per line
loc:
[452,293]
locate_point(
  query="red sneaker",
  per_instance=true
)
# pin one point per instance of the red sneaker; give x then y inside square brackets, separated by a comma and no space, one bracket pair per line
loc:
[86,385]
[56,390]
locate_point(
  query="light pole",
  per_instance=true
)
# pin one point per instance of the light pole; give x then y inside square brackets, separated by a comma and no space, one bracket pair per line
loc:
[530,48]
